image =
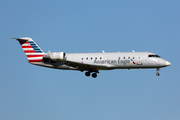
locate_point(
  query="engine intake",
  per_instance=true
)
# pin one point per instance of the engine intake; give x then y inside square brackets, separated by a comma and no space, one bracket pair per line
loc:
[60,55]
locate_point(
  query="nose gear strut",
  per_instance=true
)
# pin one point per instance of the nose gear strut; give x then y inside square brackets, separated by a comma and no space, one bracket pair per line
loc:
[158,69]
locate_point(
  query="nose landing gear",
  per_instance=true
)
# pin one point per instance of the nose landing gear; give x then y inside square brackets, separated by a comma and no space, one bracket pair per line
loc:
[157,72]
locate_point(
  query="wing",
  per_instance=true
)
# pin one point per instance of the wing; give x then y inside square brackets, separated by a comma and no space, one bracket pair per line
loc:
[78,65]
[84,66]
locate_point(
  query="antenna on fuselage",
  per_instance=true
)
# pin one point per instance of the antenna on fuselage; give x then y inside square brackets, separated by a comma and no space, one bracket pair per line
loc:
[103,51]
[133,51]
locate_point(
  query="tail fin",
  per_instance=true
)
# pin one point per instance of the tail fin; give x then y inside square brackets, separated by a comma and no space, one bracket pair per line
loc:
[33,52]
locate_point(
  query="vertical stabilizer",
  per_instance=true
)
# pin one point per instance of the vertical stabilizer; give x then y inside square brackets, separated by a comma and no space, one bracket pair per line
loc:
[33,52]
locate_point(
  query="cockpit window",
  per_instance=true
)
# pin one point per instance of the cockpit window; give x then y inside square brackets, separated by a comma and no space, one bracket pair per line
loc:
[154,56]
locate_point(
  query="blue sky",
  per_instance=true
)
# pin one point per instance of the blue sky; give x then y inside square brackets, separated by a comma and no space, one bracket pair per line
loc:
[29,92]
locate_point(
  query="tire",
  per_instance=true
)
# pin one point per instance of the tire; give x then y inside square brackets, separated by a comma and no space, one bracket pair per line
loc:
[87,74]
[94,75]
[157,74]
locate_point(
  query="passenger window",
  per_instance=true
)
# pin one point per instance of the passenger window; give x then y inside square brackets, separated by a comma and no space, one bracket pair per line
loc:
[91,58]
[128,57]
[133,57]
[119,58]
[96,58]
[100,58]
[87,58]
[82,58]
[124,57]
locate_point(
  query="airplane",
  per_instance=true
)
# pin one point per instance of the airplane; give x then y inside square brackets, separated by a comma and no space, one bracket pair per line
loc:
[92,63]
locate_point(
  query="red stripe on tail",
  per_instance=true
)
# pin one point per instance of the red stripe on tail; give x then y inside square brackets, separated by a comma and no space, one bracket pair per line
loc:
[29,56]
[26,46]
[29,51]
[38,60]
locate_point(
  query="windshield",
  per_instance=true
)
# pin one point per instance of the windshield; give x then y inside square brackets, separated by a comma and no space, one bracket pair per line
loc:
[157,56]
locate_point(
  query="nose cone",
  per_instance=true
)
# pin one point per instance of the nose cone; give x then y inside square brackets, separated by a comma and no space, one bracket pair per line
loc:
[168,63]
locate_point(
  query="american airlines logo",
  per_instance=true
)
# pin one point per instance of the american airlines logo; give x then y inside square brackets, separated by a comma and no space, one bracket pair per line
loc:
[112,62]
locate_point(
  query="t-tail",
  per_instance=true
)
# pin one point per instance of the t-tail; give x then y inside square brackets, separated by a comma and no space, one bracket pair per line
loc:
[33,52]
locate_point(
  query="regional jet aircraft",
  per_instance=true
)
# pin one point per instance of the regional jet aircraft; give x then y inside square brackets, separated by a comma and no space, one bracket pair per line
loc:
[90,62]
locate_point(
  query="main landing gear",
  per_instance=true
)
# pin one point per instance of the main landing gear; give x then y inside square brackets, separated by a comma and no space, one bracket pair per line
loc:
[157,72]
[94,75]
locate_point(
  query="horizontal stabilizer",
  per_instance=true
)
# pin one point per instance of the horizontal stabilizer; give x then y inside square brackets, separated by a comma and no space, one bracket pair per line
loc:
[20,39]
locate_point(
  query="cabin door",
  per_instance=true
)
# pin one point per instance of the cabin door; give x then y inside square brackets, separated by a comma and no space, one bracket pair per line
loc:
[139,60]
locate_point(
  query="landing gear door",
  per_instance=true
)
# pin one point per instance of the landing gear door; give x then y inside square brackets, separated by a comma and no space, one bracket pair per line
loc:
[139,60]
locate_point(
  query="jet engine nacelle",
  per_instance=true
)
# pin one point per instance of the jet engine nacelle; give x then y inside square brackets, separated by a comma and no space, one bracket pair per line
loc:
[59,55]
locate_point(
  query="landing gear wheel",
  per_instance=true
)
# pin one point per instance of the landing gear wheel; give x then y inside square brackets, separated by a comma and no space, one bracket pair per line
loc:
[157,74]
[87,74]
[94,75]
[158,69]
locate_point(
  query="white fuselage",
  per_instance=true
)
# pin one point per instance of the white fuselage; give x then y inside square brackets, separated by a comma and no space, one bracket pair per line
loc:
[116,60]
[90,62]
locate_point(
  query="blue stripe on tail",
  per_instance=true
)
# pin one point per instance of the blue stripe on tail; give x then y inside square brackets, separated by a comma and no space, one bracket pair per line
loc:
[35,47]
